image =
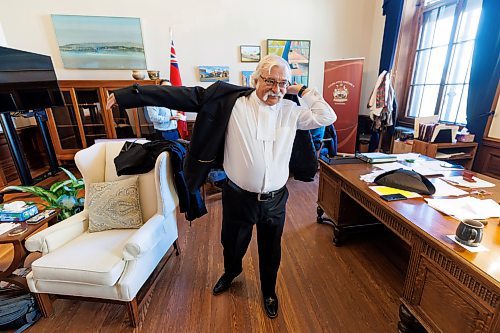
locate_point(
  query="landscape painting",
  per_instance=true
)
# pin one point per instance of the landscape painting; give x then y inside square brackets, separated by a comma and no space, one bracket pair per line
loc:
[250,53]
[297,53]
[100,42]
[213,73]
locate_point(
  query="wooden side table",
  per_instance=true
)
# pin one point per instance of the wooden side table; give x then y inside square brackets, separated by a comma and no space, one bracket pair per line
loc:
[20,251]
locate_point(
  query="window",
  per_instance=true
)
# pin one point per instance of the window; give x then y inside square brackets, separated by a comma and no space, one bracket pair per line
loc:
[440,79]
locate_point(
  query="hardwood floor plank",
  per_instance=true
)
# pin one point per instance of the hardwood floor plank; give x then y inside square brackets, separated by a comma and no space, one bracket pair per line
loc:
[321,288]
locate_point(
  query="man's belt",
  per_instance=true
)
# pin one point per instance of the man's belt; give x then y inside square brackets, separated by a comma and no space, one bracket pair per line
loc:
[258,196]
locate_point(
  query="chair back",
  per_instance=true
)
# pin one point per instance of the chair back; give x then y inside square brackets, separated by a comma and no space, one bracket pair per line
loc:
[156,188]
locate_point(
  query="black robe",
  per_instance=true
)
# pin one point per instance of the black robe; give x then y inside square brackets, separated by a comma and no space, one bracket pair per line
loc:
[214,106]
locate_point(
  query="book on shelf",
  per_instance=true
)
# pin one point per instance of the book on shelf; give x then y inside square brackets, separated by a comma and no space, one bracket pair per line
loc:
[442,155]
[376,157]
[437,133]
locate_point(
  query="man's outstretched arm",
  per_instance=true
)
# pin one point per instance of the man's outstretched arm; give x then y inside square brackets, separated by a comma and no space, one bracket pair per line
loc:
[187,99]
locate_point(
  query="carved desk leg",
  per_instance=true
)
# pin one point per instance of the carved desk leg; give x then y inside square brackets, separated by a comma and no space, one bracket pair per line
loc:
[320,212]
[338,233]
[407,323]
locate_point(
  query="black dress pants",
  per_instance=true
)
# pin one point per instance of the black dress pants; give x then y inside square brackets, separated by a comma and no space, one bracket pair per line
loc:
[241,210]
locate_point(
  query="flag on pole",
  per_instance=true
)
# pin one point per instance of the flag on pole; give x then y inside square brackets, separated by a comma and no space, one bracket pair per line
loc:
[175,79]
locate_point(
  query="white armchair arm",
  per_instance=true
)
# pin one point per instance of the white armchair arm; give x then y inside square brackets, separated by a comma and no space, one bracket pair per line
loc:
[144,238]
[59,234]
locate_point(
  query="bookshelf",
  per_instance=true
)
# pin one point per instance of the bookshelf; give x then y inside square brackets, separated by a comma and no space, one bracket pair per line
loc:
[84,117]
[462,153]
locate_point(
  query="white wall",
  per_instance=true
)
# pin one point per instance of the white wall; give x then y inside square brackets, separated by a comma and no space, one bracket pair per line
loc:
[210,32]
[3,42]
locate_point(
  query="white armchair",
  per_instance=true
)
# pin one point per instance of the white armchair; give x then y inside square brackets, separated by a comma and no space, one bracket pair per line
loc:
[114,265]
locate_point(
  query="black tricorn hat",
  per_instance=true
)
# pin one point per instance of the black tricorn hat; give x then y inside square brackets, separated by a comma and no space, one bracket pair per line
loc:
[406,180]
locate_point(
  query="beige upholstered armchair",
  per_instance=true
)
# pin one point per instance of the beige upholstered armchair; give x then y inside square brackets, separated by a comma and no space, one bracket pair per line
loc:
[118,265]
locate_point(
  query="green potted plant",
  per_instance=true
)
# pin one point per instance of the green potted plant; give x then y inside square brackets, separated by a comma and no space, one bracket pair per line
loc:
[65,195]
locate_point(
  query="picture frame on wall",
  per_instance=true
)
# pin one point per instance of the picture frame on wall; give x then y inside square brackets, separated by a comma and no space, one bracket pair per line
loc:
[99,42]
[213,73]
[250,53]
[296,53]
[245,78]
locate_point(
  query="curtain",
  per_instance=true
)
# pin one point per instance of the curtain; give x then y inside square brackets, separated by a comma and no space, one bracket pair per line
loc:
[485,69]
[392,10]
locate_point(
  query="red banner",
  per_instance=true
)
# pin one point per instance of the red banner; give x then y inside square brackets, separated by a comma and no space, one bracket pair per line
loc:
[342,90]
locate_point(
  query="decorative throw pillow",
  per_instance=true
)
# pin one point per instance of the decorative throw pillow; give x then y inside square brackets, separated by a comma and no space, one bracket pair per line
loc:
[114,205]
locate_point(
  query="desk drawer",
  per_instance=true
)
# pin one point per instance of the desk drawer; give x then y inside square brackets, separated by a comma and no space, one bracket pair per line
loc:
[329,194]
[445,305]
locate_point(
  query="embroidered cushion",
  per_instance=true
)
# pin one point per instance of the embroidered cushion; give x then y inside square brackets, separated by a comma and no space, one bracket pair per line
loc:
[114,205]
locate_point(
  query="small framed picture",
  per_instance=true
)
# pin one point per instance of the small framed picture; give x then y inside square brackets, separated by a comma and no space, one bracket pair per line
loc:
[213,73]
[246,76]
[250,53]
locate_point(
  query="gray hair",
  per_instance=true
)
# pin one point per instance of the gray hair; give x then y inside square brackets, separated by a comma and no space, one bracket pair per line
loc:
[265,66]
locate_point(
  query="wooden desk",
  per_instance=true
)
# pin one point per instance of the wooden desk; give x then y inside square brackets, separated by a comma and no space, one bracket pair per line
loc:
[446,288]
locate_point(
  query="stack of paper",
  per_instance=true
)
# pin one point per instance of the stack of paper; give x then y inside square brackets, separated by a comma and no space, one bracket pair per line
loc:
[466,208]
[460,181]
[443,189]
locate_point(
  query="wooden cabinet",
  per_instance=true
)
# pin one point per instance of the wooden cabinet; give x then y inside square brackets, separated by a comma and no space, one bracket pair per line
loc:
[84,117]
[462,153]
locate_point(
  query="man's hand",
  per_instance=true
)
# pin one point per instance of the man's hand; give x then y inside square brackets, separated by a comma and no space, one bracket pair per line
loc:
[178,116]
[295,88]
[111,104]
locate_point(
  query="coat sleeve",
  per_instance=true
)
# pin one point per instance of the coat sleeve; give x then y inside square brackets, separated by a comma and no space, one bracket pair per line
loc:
[187,99]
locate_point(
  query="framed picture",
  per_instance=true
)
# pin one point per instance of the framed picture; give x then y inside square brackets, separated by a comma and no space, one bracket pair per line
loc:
[245,78]
[213,73]
[100,42]
[250,53]
[297,53]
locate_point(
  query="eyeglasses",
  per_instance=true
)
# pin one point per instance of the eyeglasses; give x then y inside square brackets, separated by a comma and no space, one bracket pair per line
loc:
[272,82]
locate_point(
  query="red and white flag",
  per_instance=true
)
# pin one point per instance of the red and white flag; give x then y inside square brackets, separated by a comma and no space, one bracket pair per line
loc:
[175,79]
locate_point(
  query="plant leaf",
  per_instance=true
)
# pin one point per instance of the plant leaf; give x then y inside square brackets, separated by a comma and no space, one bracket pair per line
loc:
[57,185]
[36,190]
[71,176]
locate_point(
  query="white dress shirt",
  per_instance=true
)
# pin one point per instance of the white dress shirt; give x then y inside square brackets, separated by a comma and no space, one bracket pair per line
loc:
[160,117]
[259,138]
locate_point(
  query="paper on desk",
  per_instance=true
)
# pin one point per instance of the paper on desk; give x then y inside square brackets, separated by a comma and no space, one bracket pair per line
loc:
[480,248]
[426,171]
[392,166]
[459,180]
[408,156]
[466,207]
[370,177]
[437,165]
[443,189]
[6,226]
[383,190]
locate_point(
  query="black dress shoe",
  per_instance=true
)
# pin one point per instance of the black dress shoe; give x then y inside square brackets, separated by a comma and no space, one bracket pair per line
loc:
[271,306]
[223,284]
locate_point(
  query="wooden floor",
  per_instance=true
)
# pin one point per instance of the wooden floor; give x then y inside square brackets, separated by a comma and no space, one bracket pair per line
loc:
[321,288]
